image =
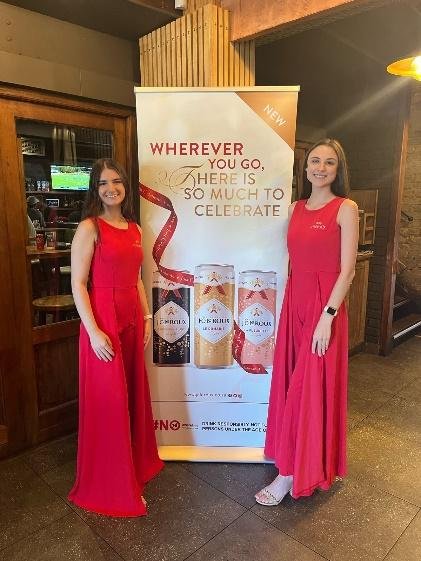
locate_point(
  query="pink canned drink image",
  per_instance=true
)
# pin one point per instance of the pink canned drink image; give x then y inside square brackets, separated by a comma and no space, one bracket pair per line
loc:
[256,315]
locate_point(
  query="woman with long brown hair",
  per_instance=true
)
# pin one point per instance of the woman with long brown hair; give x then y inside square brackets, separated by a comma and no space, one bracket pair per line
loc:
[306,430]
[117,451]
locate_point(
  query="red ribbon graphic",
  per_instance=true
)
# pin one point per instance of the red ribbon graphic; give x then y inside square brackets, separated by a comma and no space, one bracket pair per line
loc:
[175,291]
[218,287]
[180,277]
[262,293]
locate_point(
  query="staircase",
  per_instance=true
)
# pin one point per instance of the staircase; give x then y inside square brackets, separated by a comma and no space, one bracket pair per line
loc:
[406,318]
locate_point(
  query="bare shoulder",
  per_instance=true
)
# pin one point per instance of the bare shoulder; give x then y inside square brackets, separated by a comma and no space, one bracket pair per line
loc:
[348,211]
[86,231]
[87,225]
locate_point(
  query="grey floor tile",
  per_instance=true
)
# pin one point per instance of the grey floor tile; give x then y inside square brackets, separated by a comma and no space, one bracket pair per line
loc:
[398,417]
[250,538]
[238,481]
[408,547]
[61,479]
[362,403]
[388,462]
[370,373]
[350,522]
[413,342]
[26,502]
[53,454]
[67,539]
[412,391]
[184,513]
[408,351]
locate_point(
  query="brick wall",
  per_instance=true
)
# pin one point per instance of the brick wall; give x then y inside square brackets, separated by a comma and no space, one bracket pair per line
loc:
[410,232]
[370,142]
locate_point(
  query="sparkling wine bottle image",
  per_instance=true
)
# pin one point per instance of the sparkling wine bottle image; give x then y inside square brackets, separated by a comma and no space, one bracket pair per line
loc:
[213,315]
[256,315]
[171,322]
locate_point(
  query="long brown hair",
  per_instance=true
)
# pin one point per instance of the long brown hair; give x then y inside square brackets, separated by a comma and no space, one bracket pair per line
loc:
[340,186]
[92,206]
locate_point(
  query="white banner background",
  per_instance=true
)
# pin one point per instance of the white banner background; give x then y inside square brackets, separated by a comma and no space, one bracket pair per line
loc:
[185,397]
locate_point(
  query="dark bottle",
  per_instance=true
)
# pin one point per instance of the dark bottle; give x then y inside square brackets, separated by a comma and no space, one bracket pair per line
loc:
[171,322]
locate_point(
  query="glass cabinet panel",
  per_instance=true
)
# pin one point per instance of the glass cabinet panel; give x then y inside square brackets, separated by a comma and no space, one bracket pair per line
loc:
[56,160]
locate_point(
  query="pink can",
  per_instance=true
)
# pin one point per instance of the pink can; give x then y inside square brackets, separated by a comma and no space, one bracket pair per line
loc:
[257,315]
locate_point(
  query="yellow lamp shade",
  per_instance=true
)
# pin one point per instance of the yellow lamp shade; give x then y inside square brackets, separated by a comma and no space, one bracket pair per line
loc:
[410,67]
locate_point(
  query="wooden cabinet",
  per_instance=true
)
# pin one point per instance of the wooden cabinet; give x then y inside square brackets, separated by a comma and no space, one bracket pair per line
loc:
[357,303]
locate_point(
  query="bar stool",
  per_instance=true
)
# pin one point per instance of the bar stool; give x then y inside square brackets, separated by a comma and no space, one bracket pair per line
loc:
[61,306]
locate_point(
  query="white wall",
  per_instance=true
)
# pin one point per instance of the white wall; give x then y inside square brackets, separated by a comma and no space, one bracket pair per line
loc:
[43,52]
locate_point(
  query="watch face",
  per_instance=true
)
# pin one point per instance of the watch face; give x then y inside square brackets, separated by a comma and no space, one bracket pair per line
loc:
[330,311]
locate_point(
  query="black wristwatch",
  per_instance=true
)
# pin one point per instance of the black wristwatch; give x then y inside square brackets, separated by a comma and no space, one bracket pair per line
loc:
[331,311]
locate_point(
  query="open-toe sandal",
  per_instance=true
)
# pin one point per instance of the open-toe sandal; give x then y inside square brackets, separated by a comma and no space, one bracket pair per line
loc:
[271,499]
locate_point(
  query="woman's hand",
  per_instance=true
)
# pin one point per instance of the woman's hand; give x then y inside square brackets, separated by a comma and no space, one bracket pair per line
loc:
[147,332]
[321,335]
[102,346]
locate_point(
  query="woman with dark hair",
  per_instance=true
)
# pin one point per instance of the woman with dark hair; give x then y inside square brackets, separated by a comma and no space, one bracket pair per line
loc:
[117,451]
[306,429]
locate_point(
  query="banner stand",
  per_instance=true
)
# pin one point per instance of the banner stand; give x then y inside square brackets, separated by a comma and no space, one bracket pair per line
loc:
[216,170]
[229,454]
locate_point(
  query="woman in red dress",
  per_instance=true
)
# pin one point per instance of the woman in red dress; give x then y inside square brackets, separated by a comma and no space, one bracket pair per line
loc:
[306,429]
[117,451]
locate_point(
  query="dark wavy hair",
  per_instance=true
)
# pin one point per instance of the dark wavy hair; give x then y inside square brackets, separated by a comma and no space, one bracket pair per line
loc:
[340,187]
[92,206]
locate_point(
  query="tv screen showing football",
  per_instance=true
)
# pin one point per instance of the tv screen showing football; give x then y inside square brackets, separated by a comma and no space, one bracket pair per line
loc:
[74,178]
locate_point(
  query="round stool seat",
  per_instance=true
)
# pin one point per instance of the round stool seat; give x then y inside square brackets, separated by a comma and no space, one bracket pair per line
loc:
[54,303]
[60,306]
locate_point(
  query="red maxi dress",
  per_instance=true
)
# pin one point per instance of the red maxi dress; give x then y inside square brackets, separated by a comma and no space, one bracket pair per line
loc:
[306,430]
[117,452]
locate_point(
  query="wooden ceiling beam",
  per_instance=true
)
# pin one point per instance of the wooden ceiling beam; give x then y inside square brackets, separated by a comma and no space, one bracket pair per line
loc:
[256,19]
[163,6]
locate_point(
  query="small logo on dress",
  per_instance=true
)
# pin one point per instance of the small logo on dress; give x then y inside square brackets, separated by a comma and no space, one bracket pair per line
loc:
[318,225]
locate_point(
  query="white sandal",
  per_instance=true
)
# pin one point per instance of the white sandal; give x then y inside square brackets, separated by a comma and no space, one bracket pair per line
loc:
[272,500]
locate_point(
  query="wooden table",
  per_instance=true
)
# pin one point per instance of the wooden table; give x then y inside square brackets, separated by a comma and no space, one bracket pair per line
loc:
[48,253]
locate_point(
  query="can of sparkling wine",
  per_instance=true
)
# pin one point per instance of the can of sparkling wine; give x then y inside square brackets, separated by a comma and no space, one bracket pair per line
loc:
[171,321]
[256,315]
[213,315]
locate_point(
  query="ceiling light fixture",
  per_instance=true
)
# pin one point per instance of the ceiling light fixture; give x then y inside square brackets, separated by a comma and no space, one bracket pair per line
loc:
[410,67]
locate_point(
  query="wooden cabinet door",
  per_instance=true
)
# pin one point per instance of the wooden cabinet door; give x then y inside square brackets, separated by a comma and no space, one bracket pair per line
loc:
[39,365]
[357,304]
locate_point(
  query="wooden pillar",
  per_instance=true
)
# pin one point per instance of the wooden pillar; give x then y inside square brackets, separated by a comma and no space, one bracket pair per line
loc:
[195,50]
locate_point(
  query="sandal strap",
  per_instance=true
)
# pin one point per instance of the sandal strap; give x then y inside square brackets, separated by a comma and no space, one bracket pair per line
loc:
[270,495]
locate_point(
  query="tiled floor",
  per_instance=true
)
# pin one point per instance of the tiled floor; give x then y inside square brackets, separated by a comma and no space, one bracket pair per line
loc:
[206,512]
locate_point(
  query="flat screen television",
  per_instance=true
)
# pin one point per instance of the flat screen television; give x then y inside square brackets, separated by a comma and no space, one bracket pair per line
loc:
[75,178]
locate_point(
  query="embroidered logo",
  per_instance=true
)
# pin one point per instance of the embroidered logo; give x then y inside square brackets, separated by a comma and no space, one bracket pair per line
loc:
[318,225]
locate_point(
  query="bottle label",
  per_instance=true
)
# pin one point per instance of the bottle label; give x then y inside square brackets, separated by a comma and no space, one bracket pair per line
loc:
[171,322]
[257,322]
[213,321]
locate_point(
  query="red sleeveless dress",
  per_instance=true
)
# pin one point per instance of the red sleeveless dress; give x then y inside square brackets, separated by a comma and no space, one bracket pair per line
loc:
[306,431]
[117,450]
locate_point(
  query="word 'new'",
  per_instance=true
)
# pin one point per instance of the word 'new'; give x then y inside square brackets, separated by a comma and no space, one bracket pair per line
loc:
[274,115]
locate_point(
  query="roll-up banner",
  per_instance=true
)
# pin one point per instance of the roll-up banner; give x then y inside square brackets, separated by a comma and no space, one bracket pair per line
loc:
[216,171]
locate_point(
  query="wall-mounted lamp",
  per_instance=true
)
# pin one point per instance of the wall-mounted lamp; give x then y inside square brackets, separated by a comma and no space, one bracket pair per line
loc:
[180,4]
[410,67]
